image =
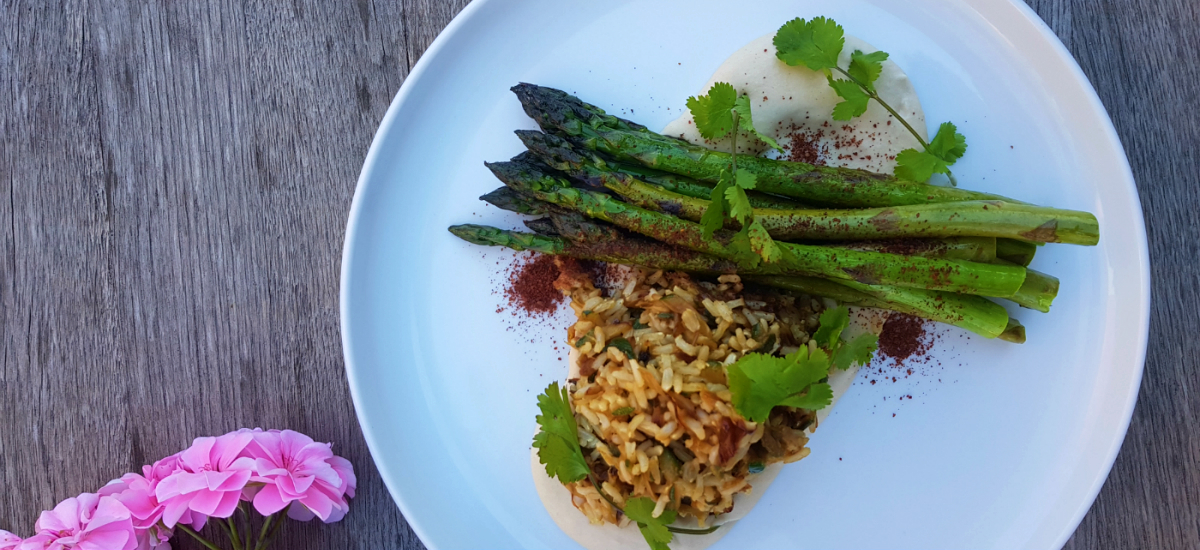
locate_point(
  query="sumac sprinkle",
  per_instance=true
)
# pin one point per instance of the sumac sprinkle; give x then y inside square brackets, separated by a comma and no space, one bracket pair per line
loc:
[531,285]
[903,336]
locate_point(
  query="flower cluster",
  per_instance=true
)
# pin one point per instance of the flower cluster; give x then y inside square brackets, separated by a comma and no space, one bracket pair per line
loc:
[272,471]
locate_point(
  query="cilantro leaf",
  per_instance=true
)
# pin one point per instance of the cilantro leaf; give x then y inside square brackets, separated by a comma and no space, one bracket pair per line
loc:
[759,382]
[762,243]
[816,43]
[855,103]
[818,396]
[739,203]
[865,67]
[714,216]
[742,106]
[622,345]
[746,180]
[558,440]
[743,249]
[833,321]
[858,350]
[713,113]
[918,166]
[653,528]
[948,144]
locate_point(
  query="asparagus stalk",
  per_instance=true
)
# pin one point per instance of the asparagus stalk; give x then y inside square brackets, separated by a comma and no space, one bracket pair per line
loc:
[867,267]
[1017,252]
[561,113]
[974,249]
[1037,292]
[978,315]
[692,188]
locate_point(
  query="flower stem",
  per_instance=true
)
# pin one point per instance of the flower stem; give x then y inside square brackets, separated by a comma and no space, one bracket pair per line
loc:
[197,536]
[231,527]
[262,533]
[874,95]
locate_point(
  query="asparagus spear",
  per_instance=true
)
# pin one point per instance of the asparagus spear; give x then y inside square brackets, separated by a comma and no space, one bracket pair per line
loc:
[561,113]
[692,188]
[976,314]
[1017,252]
[975,249]
[973,313]
[868,267]
[958,219]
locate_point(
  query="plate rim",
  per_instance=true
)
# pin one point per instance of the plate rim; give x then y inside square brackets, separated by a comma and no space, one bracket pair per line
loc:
[1093,103]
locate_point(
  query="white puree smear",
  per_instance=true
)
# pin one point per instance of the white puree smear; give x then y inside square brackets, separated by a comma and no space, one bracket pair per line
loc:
[795,105]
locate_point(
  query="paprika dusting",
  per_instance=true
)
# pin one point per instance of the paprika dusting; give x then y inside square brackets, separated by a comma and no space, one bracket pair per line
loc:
[903,336]
[531,285]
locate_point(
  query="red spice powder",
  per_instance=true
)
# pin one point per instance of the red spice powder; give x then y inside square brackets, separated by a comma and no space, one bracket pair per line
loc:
[531,285]
[903,336]
[806,147]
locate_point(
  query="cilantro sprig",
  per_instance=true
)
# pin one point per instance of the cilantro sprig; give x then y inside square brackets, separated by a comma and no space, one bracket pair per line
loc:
[557,444]
[717,115]
[759,383]
[817,43]
[558,440]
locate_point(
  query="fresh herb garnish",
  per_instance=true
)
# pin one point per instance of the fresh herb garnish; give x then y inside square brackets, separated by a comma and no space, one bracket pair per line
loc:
[718,115]
[816,44]
[622,345]
[623,411]
[828,337]
[557,441]
[582,339]
[756,467]
[654,529]
[759,383]
[666,315]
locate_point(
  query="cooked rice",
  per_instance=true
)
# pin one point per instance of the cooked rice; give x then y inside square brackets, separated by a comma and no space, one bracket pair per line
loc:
[678,441]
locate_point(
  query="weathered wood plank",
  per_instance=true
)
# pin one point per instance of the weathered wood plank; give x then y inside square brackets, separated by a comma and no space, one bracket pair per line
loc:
[177,177]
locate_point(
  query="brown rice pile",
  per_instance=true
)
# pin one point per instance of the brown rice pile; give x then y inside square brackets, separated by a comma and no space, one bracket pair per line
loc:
[660,424]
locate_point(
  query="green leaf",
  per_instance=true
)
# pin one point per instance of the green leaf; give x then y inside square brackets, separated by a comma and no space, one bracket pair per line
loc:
[739,203]
[948,144]
[558,440]
[833,321]
[654,529]
[666,315]
[579,343]
[762,243]
[743,249]
[815,44]
[742,106]
[865,67]
[858,350]
[855,103]
[918,166]
[746,179]
[713,113]
[714,216]
[622,345]
[760,382]
[818,396]
[623,411]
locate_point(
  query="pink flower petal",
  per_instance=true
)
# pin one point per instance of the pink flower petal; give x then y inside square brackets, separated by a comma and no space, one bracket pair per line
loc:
[206,502]
[268,501]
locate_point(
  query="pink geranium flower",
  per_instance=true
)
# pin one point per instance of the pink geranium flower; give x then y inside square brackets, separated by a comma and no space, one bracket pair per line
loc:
[209,480]
[295,469]
[86,522]
[8,541]
[137,493]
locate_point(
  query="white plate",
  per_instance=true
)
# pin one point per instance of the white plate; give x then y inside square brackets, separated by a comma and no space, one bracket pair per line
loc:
[1008,451]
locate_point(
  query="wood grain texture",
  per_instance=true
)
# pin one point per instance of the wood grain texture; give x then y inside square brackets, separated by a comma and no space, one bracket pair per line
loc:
[174,183]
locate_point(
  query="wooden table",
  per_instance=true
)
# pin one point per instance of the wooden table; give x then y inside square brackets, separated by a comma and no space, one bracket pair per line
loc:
[177,178]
